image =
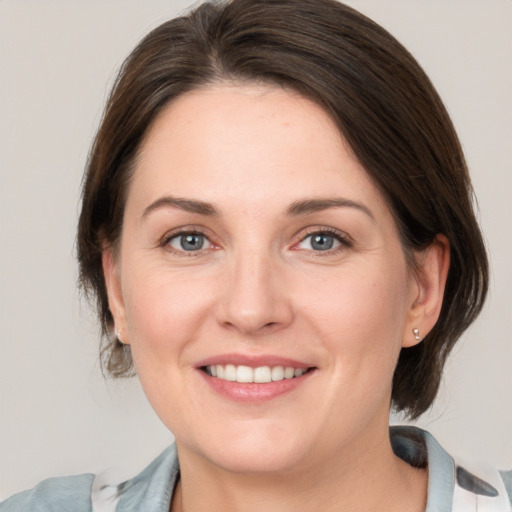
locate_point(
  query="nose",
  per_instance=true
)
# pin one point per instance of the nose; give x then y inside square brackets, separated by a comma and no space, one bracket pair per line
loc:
[255,298]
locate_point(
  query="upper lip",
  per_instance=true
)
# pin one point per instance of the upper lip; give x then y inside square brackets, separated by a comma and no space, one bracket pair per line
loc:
[253,361]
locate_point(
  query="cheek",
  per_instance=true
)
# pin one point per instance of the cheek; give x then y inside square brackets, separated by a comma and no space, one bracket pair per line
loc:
[166,313]
[360,314]
[164,310]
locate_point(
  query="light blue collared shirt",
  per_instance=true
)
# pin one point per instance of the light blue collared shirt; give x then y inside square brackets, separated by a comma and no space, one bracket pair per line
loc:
[451,487]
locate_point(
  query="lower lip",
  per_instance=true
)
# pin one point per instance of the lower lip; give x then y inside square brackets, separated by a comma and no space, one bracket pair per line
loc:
[254,392]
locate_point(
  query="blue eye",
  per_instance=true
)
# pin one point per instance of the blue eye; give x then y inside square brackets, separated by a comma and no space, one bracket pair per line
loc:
[189,242]
[321,241]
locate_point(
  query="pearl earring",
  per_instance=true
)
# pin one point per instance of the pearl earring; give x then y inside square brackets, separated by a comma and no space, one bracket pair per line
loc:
[118,336]
[416,333]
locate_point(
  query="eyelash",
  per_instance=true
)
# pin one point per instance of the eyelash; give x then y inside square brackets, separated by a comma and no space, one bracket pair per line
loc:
[167,238]
[344,240]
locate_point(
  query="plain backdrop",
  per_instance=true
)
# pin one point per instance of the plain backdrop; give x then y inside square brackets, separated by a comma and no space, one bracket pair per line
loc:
[57,59]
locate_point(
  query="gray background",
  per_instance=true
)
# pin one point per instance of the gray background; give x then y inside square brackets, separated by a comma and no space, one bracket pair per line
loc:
[57,59]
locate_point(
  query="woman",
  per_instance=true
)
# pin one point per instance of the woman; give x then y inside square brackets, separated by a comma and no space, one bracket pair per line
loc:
[277,225]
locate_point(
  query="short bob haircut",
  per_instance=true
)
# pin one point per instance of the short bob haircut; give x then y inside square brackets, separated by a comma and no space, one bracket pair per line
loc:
[379,97]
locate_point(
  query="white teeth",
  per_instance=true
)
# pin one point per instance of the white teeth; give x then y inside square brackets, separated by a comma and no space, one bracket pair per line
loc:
[277,373]
[289,372]
[244,374]
[230,372]
[261,374]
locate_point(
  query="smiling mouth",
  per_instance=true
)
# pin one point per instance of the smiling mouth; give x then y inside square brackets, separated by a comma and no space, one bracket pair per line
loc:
[259,375]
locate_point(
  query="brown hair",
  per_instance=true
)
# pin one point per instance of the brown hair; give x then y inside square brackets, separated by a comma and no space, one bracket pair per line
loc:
[380,98]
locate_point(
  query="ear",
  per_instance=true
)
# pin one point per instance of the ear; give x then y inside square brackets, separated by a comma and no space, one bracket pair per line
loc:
[430,276]
[111,273]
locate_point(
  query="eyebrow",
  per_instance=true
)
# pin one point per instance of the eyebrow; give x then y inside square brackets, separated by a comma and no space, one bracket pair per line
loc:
[188,205]
[306,206]
[301,207]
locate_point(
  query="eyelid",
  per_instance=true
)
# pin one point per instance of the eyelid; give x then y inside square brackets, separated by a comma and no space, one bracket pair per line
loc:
[342,237]
[176,242]
[345,240]
[186,230]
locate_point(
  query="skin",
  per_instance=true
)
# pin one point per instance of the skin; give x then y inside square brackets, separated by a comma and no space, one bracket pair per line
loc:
[257,287]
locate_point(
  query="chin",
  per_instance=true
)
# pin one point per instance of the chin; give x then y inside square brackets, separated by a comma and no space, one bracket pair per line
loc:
[255,450]
[256,461]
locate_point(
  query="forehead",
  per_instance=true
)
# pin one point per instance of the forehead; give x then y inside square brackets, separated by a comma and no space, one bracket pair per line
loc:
[247,145]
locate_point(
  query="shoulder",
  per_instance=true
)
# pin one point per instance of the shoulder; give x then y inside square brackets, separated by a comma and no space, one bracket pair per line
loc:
[454,485]
[71,493]
[151,489]
[507,480]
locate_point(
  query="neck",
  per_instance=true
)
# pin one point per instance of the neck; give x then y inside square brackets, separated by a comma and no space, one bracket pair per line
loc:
[367,476]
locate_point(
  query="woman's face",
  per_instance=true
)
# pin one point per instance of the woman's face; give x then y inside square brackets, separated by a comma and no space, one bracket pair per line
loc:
[256,248]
